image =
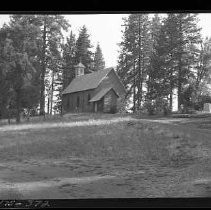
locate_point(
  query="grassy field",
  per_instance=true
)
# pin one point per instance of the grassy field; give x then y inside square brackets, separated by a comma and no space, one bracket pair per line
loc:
[109,156]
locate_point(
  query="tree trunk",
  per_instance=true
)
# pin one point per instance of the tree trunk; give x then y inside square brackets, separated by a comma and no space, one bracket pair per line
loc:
[134,88]
[171,91]
[139,65]
[48,105]
[18,106]
[180,68]
[28,114]
[141,81]
[9,117]
[62,102]
[179,83]
[52,91]
[42,89]
[171,101]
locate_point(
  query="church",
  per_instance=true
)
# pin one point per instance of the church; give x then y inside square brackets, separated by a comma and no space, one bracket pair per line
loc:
[99,91]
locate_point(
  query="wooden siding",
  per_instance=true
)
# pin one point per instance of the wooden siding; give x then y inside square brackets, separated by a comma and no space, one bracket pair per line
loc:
[70,102]
[110,101]
[111,80]
[105,104]
[100,105]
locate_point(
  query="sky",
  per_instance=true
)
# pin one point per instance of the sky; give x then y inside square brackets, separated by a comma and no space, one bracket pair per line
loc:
[106,29]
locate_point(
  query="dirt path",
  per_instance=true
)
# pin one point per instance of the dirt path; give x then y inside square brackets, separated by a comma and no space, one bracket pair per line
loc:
[90,179]
[60,176]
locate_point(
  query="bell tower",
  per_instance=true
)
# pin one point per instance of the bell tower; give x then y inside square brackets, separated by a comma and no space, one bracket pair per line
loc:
[79,69]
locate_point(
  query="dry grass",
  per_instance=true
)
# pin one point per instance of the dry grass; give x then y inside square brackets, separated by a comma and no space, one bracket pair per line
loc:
[120,137]
[172,151]
[10,194]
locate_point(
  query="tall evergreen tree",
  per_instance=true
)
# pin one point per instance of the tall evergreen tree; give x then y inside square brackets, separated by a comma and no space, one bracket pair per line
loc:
[4,85]
[83,49]
[135,55]
[162,64]
[175,55]
[153,68]
[188,35]
[126,67]
[202,73]
[55,68]
[69,60]
[140,26]
[51,34]
[99,63]
[19,51]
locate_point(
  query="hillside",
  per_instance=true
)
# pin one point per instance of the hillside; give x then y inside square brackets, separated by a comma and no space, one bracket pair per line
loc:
[81,156]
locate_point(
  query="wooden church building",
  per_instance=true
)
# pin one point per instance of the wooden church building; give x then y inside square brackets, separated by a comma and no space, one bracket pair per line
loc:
[99,91]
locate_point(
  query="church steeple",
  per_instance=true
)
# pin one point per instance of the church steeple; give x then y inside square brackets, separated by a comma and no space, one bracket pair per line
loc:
[79,69]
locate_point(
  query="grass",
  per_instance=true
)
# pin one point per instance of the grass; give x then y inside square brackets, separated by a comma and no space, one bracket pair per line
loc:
[71,117]
[11,194]
[120,137]
[112,140]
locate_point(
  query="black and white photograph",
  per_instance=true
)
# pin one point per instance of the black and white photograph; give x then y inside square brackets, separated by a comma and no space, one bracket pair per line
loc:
[105,106]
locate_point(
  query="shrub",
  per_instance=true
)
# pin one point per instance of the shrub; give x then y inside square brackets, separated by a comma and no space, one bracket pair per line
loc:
[122,105]
[150,106]
[157,106]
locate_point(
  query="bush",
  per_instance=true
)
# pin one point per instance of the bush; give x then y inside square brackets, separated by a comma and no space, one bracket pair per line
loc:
[157,106]
[122,105]
[150,108]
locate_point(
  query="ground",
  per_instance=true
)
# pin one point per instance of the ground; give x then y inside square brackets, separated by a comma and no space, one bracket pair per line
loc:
[106,156]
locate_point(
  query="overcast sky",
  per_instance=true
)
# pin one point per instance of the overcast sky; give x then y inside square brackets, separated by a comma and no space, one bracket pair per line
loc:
[106,29]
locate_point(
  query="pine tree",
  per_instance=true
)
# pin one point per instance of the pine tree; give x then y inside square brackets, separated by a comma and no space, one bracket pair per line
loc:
[126,63]
[99,63]
[174,58]
[83,49]
[140,26]
[189,34]
[4,90]
[51,34]
[153,68]
[202,73]
[19,50]
[163,62]
[54,66]
[135,55]
[69,50]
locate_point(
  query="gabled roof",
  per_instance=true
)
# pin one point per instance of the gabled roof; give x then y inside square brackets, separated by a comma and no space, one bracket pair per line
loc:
[80,65]
[87,81]
[100,94]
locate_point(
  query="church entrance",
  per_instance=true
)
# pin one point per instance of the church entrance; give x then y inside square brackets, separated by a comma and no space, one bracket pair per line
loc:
[98,106]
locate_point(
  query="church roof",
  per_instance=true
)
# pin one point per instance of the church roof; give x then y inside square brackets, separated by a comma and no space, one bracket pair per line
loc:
[80,65]
[101,93]
[87,81]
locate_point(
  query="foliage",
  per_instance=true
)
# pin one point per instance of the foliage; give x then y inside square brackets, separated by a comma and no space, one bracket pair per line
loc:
[83,49]
[19,49]
[122,105]
[99,63]
[170,59]
[69,50]
[134,56]
[50,38]
[4,84]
